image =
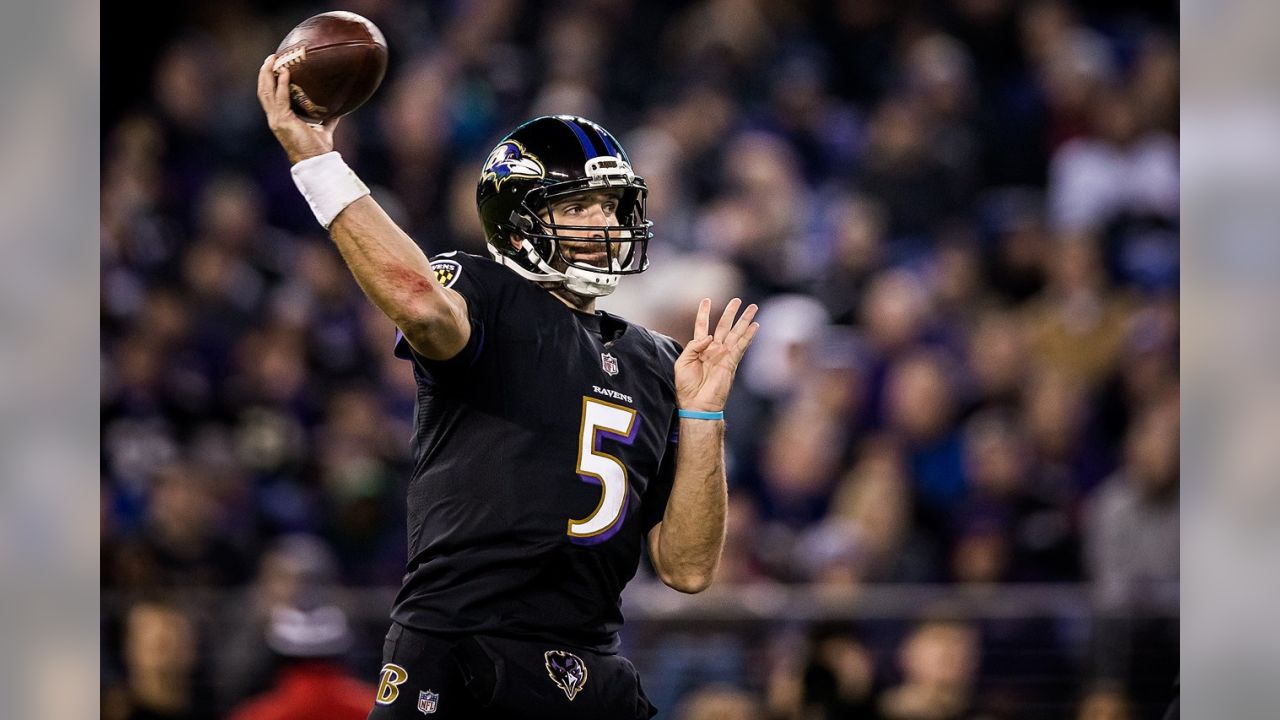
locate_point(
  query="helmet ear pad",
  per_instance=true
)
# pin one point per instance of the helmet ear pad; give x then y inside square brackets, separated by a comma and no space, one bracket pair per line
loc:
[530,228]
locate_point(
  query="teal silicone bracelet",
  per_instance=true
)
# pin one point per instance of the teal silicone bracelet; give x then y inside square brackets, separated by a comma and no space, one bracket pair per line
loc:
[700,415]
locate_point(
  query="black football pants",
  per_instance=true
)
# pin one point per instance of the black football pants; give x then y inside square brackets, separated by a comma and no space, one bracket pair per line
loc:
[489,678]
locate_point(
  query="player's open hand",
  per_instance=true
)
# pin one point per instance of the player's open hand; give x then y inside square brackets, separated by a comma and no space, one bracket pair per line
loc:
[299,138]
[705,370]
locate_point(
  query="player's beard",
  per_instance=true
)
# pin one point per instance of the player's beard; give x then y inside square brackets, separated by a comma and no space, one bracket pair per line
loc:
[597,254]
[593,254]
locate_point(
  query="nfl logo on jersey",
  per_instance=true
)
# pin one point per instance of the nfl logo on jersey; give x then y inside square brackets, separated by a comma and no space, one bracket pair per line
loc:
[427,701]
[609,363]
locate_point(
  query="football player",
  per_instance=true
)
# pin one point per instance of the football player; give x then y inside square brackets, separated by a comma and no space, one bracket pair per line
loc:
[551,439]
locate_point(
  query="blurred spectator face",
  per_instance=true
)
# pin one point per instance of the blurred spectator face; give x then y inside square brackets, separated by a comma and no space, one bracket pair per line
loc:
[719,704]
[1045,27]
[182,509]
[210,270]
[138,363]
[273,361]
[574,46]
[941,655]
[699,120]
[940,69]
[1073,71]
[957,279]
[830,554]
[322,271]
[734,227]
[1105,704]
[894,310]
[165,316]
[875,497]
[1054,411]
[1152,448]
[132,177]
[1075,265]
[159,640]
[1021,254]
[1114,117]
[981,556]
[1150,362]
[413,123]
[355,416]
[184,83]
[1155,83]
[764,167]
[797,93]
[920,401]
[898,134]
[230,211]
[294,570]
[801,451]
[859,225]
[997,355]
[848,663]
[996,454]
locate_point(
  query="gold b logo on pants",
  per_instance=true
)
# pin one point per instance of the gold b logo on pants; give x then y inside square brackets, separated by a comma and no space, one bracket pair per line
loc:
[389,684]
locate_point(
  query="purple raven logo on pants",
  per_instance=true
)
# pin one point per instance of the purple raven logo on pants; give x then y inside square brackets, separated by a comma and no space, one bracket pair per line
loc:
[567,670]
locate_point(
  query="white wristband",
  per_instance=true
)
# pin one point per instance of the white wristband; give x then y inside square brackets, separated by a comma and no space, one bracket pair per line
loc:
[328,185]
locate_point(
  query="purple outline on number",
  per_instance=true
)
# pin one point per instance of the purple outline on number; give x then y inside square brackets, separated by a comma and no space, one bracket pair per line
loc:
[626,498]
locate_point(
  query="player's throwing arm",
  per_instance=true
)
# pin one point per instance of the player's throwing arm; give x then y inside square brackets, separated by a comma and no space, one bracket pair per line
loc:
[390,268]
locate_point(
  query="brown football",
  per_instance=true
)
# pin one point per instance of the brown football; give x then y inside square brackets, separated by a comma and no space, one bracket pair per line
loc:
[336,61]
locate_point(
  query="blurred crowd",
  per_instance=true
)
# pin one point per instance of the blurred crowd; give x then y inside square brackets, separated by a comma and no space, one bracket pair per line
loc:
[959,217]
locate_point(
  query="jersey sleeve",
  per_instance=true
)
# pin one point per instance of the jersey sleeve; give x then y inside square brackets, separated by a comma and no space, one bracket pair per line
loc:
[451,272]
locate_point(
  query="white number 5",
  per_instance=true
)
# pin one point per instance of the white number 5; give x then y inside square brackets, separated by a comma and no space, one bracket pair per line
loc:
[602,418]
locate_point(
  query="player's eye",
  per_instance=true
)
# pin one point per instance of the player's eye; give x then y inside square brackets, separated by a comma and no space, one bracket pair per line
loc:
[610,208]
[573,210]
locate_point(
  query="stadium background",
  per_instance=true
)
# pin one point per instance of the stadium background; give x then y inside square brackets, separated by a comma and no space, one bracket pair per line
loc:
[953,447]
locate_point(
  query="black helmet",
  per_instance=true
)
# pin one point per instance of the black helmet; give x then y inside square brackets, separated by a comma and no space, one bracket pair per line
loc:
[546,159]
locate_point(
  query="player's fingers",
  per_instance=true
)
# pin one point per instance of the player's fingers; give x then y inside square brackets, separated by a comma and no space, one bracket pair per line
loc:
[726,319]
[741,325]
[282,89]
[266,83]
[696,346]
[693,349]
[704,318]
[740,347]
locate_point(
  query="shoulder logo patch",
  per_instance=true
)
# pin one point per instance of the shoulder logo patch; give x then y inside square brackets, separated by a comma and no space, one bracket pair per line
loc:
[447,271]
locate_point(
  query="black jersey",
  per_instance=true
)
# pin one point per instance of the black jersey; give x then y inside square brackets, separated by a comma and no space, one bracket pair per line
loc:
[543,455]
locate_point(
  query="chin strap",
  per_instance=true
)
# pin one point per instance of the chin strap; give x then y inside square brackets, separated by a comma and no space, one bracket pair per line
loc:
[575,280]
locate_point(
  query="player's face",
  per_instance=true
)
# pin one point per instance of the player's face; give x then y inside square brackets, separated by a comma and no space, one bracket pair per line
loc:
[592,211]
